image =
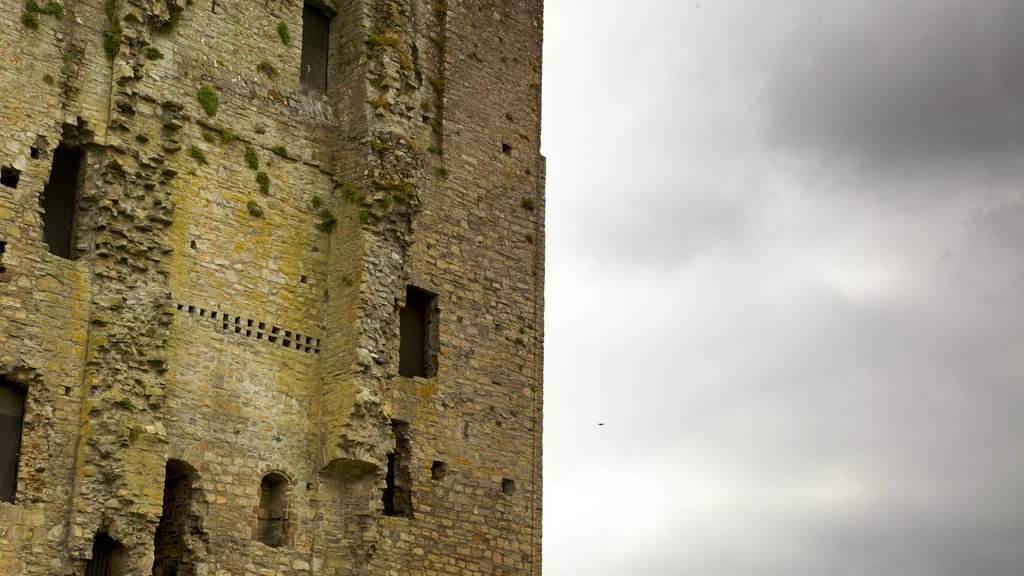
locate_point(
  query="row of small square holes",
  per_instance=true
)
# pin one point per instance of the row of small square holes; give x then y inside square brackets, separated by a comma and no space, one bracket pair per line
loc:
[248,327]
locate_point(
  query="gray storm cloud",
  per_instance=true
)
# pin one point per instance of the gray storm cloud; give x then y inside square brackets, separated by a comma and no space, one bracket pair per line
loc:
[905,81]
[786,270]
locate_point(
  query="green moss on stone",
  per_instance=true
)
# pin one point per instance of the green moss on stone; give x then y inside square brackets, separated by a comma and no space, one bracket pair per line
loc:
[254,208]
[112,37]
[208,99]
[327,221]
[54,9]
[351,194]
[267,69]
[284,32]
[252,160]
[197,154]
[30,19]
[173,20]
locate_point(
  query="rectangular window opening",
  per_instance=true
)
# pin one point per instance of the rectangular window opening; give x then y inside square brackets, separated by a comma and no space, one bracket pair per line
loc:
[59,200]
[316,32]
[12,413]
[417,352]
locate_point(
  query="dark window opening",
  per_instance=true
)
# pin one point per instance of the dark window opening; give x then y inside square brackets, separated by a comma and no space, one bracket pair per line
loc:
[508,487]
[272,522]
[12,413]
[417,353]
[316,33]
[106,557]
[398,482]
[438,470]
[3,249]
[180,532]
[506,148]
[58,201]
[9,176]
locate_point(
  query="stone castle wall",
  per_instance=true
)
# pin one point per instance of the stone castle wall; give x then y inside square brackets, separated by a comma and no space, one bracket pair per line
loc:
[219,356]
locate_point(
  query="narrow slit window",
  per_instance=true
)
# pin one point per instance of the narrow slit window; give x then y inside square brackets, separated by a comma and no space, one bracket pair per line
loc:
[316,33]
[12,413]
[397,495]
[272,522]
[417,353]
[59,199]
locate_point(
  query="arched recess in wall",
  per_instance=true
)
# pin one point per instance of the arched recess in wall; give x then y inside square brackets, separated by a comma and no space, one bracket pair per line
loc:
[272,526]
[180,540]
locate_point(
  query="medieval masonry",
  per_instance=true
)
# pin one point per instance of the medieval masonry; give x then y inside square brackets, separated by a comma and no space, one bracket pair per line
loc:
[271,287]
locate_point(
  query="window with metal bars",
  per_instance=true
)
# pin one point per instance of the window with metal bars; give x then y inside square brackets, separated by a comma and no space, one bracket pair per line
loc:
[12,412]
[106,556]
[316,33]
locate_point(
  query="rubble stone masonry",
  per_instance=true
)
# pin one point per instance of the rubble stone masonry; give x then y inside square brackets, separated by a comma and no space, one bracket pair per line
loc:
[205,371]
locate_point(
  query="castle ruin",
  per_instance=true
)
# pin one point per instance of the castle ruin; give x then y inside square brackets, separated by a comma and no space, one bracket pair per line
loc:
[271,287]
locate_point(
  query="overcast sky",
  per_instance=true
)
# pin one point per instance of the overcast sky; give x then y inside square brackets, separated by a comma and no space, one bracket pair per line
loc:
[786,271]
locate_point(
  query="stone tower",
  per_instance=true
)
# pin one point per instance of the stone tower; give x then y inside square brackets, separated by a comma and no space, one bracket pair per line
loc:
[271,287]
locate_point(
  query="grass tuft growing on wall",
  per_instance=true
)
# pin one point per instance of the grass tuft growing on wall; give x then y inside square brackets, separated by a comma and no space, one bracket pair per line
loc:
[284,32]
[208,99]
[252,160]
[30,19]
[197,154]
[267,69]
[112,37]
[54,9]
